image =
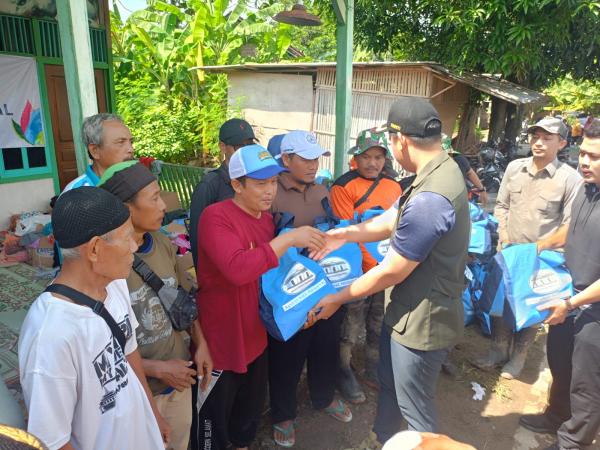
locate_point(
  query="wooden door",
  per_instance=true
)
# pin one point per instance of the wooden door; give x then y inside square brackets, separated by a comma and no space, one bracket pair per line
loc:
[61,120]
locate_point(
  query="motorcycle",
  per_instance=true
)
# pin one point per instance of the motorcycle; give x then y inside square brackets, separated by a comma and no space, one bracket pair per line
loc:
[493,166]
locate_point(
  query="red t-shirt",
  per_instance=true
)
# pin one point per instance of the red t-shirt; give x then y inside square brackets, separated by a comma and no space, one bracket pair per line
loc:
[233,252]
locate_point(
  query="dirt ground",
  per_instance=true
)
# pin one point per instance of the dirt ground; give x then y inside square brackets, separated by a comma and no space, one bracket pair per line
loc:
[490,424]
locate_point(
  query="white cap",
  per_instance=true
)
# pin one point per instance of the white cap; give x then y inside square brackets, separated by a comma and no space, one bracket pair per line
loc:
[302,143]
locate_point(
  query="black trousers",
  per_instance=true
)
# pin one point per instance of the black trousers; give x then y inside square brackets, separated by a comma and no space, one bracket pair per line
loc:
[319,346]
[231,413]
[574,360]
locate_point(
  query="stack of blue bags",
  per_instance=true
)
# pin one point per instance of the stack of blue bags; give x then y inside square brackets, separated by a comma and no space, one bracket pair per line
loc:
[483,229]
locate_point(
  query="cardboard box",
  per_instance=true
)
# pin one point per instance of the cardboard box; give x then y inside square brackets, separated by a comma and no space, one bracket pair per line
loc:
[186,271]
[171,199]
[42,256]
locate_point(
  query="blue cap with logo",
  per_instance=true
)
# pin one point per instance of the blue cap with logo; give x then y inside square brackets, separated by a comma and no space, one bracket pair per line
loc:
[253,161]
[302,143]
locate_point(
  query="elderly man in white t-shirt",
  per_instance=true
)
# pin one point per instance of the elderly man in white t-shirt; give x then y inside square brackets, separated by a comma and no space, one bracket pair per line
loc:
[81,373]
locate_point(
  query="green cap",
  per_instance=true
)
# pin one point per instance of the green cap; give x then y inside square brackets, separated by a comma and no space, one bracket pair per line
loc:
[367,139]
[108,173]
[447,144]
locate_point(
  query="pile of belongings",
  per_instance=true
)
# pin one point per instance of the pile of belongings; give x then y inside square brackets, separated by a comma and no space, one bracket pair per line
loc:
[28,239]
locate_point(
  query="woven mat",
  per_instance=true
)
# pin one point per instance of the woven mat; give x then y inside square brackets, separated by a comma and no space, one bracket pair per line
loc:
[18,289]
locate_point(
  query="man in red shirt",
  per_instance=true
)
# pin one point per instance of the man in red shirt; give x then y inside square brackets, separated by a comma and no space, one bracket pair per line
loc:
[235,247]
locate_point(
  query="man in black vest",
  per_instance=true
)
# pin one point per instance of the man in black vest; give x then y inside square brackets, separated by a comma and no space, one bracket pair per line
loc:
[429,234]
[573,349]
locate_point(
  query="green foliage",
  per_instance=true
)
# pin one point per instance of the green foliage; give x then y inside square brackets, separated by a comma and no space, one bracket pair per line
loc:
[529,41]
[173,110]
[568,94]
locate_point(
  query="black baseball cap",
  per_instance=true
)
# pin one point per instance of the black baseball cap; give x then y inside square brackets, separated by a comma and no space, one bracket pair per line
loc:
[235,132]
[414,116]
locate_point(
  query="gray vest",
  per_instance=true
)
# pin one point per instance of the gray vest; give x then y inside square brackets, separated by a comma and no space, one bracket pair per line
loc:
[425,311]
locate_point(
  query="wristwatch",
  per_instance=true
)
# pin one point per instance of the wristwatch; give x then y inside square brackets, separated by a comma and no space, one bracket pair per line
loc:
[569,305]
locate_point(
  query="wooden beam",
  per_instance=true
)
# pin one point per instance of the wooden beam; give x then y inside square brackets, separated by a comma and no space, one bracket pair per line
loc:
[79,71]
[343,86]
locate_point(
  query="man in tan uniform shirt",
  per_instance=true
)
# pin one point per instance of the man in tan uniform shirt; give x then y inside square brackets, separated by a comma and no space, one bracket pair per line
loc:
[533,202]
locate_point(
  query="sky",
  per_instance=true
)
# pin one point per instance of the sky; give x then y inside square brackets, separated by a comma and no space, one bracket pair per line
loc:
[126,7]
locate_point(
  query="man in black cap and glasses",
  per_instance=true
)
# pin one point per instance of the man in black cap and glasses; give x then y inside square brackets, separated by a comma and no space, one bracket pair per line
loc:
[80,370]
[216,185]
[429,234]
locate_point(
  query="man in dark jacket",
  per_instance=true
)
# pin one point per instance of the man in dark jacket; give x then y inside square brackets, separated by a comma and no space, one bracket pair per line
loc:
[429,236]
[216,184]
[573,411]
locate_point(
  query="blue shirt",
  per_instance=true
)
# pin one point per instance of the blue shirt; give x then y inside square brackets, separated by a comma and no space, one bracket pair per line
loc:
[425,219]
[89,178]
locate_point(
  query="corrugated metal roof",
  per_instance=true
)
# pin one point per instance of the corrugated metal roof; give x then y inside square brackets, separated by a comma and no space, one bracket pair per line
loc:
[489,84]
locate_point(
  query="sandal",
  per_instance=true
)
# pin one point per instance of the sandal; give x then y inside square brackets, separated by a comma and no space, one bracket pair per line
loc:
[288,432]
[339,411]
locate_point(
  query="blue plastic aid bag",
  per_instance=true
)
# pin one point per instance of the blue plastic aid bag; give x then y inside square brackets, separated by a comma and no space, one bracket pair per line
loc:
[477,212]
[379,249]
[492,296]
[481,241]
[467,300]
[531,281]
[343,265]
[476,274]
[482,225]
[290,291]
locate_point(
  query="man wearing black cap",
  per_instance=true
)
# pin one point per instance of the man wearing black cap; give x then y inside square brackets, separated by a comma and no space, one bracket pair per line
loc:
[77,343]
[429,235]
[166,357]
[216,185]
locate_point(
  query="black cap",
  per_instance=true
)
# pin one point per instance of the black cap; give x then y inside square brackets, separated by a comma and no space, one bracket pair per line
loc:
[235,132]
[414,116]
[85,212]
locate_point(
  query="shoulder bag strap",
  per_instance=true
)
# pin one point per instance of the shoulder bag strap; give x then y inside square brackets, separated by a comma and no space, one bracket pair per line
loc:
[98,307]
[147,274]
[365,196]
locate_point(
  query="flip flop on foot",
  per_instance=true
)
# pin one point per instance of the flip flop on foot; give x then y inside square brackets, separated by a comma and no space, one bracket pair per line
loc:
[284,433]
[339,411]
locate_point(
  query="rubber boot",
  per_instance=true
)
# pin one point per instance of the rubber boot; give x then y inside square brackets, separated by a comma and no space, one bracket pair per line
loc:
[499,349]
[347,383]
[514,367]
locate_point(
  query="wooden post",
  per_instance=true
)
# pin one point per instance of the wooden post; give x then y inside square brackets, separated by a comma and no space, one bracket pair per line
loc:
[79,70]
[344,10]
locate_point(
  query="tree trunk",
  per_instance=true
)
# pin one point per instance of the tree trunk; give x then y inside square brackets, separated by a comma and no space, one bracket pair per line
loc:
[497,119]
[514,119]
[467,139]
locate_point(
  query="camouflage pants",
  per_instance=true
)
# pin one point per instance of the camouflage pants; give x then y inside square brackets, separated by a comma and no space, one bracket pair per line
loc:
[362,315]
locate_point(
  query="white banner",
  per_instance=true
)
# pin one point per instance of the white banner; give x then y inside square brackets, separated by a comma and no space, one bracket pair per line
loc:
[20,108]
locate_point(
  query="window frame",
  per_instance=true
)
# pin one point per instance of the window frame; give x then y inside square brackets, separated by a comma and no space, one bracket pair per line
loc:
[25,171]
